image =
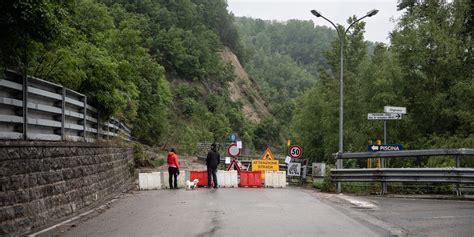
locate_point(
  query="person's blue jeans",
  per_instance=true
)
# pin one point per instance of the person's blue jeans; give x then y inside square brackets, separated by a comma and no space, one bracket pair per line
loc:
[211,172]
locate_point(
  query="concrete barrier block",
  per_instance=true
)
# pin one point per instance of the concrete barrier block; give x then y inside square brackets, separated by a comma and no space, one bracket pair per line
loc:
[181,179]
[156,180]
[275,179]
[227,179]
[143,181]
[149,181]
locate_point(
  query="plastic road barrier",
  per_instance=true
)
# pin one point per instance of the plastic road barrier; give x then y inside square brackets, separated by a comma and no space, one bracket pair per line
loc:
[181,179]
[148,181]
[199,174]
[275,179]
[227,179]
[251,179]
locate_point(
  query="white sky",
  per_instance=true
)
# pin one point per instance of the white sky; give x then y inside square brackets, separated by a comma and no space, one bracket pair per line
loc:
[338,11]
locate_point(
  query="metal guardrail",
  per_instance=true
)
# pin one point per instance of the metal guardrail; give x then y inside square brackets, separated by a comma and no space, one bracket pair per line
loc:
[455,175]
[406,153]
[431,175]
[35,109]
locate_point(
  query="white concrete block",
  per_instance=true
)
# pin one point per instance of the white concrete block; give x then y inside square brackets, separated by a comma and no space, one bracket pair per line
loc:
[148,181]
[275,179]
[181,179]
[227,179]
[156,180]
[143,181]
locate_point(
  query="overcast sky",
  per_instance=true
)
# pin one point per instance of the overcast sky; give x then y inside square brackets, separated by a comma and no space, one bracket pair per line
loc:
[377,27]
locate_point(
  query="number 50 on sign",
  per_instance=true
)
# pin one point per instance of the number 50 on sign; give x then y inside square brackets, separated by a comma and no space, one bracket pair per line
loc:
[295,152]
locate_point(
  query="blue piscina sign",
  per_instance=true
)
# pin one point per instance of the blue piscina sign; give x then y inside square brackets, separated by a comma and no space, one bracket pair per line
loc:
[384,147]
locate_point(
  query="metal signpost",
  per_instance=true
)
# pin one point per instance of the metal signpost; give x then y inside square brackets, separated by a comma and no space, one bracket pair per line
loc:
[391,109]
[390,113]
[233,151]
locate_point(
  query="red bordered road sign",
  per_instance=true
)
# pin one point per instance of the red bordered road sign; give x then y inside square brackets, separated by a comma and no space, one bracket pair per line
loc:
[233,150]
[295,151]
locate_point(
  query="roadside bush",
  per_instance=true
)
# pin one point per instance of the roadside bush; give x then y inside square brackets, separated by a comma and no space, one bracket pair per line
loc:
[158,162]
[138,154]
[327,185]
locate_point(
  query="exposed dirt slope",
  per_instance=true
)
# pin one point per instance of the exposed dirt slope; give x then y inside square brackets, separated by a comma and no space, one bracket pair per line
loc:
[244,90]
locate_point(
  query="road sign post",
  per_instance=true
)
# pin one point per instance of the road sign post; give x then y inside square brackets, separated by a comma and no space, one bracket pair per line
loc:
[390,113]
[233,151]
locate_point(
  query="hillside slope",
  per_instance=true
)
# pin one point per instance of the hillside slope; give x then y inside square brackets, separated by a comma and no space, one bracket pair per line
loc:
[244,90]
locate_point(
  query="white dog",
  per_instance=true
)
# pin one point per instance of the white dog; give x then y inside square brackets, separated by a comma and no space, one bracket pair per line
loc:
[191,185]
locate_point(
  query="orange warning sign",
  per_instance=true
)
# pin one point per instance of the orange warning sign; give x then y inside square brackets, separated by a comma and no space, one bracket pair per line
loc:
[267,155]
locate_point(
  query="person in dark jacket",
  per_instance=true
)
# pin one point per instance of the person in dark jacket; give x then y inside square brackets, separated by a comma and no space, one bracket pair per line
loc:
[173,168]
[212,161]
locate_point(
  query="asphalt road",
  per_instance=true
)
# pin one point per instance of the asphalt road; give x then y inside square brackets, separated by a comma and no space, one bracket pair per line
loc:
[222,212]
[270,212]
[425,217]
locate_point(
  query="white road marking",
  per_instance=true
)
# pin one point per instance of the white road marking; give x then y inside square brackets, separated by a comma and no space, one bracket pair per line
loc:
[356,202]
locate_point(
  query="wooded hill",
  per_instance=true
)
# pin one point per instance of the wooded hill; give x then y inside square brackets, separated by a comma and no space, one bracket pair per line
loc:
[157,65]
[163,68]
[428,68]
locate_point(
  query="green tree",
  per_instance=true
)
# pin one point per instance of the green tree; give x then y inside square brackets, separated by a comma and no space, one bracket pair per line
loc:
[433,43]
[26,23]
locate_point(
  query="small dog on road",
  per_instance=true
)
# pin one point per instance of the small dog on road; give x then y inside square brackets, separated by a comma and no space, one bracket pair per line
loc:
[191,185]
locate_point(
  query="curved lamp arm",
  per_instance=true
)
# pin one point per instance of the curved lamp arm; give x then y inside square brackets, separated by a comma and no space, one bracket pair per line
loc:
[369,14]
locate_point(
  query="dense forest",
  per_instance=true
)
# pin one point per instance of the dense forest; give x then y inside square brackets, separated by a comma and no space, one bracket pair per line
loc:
[428,68]
[156,65]
[153,64]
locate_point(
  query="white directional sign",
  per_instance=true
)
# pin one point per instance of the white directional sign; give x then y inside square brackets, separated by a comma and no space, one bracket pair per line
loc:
[396,110]
[384,116]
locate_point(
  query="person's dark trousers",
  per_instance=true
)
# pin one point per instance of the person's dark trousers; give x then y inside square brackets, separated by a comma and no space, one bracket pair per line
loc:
[173,172]
[211,172]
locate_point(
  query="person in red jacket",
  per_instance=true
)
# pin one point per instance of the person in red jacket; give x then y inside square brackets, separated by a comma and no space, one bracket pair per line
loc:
[173,168]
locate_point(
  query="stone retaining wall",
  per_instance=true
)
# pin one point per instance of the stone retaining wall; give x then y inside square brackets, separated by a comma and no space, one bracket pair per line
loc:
[41,182]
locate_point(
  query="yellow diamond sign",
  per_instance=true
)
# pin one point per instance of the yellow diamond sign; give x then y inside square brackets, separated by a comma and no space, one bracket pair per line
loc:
[267,155]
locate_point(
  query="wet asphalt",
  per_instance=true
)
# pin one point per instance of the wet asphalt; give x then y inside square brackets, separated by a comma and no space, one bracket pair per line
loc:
[221,212]
[271,212]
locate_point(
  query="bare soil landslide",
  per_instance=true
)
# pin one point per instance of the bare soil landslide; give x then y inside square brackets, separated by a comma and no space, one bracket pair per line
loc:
[243,89]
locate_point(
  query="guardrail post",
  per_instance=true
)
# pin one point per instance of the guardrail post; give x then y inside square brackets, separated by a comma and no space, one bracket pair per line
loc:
[25,107]
[85,118]
[98,125]
[458,164]
[63,113]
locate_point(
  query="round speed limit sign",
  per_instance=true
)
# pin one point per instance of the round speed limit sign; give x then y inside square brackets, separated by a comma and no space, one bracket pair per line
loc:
[295,152]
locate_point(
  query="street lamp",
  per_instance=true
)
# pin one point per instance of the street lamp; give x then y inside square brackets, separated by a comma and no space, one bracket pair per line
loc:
[341,35]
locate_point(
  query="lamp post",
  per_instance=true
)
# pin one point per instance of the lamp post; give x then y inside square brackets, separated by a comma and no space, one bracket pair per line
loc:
[341,35]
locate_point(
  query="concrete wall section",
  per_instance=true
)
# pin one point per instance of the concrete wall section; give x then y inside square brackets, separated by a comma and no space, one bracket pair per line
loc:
[44,181]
